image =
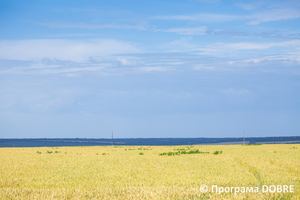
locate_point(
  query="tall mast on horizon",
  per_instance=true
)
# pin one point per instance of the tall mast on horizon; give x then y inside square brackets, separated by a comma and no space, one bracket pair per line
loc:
[112,138]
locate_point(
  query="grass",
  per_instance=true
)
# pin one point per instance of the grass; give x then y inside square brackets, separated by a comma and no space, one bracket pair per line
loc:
[79,173]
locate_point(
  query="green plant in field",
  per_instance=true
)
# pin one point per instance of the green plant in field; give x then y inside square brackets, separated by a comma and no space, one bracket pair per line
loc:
[49,152]
[169,153]
[39,152]
[141,149]
[57,151]
[217,152]
[141,153]
[196,151]
[104,154]
[173,153]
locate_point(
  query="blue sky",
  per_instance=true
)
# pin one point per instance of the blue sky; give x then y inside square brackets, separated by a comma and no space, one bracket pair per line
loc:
[188,68]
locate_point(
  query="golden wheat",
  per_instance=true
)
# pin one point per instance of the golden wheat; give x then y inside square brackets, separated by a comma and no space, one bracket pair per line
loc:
[132,172]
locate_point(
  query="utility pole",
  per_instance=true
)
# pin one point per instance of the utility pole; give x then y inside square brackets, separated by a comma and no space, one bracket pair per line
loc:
[112,138]
[244,137]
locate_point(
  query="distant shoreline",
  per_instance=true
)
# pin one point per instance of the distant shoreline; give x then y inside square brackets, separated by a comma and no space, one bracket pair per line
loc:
[54,142]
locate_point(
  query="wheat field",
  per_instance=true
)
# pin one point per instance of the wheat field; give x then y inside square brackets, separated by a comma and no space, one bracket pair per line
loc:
[148,172]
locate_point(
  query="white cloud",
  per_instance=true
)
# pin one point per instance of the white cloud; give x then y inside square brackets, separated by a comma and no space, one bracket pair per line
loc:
[200,17]
[287,58]
[44,69]
[208,1]
[96,58]
[253,5]
[220,49]
[201,67]
[182,44]
[150,69]
[253,22]
[236,92]
[188,31]
[273,15]
[125,62]
[251,46]
[71,50]
[66,24]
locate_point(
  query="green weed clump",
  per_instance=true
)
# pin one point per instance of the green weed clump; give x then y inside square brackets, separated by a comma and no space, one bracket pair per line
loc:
[141,153]
[144,149]
[39,152]
[49,152]
[183,152]
[193,152]
[180,149]
[169,153]
[218,152]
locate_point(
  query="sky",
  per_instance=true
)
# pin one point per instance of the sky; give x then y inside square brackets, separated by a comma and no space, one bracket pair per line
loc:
[149,69]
